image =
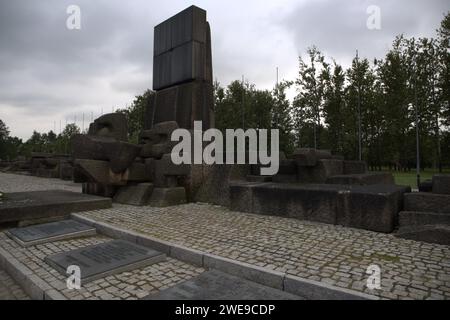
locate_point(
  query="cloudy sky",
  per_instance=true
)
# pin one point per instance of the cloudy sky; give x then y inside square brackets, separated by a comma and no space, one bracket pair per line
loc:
[51,75]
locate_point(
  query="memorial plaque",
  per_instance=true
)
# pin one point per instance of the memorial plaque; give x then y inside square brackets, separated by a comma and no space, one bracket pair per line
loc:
[48,232]
[216,285]
[101,260]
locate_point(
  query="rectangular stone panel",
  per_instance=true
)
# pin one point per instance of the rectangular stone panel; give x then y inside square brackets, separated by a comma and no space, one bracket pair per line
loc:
[216,285]
[187,25]
[162,38]
[19,206]
[180,49]
[162,70]
[54,231]
[187,63]
[308,202]
[100,260]
[184,103]
[427,202]
[373,207]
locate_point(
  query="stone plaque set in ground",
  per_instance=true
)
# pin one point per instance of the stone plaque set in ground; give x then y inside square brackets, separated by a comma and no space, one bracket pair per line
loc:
[216,285]
[96,261]
[47,232]
[101,260]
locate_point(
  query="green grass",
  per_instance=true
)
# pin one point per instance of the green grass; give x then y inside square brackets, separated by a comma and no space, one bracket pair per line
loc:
[410,179]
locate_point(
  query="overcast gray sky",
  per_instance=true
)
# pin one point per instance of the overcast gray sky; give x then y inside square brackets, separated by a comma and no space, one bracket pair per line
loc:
[49,73]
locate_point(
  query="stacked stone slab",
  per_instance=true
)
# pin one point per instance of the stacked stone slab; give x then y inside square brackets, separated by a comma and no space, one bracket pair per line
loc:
[318,186]
[371,207]
[103,158]
[426,215]
[309,165]
[182,71]
[168,179]
[136,174]
[21,164]
[50,165]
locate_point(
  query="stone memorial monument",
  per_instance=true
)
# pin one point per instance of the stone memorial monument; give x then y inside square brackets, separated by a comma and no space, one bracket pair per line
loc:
[182,71]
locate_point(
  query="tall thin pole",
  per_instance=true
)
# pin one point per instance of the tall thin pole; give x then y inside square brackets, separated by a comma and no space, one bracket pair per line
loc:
[277,76]
[359,108]
[243,105]
[83,124]
[417,129]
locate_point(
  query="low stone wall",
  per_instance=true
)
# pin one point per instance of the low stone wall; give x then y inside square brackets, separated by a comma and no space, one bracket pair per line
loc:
[373,207]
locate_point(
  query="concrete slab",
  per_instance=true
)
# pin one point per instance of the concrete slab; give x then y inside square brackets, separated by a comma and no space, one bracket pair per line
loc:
[32,205]
[47,232]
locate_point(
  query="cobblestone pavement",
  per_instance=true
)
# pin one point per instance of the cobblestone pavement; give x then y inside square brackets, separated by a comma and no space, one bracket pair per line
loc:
[335,255]
[9,289]
[331,254]
[129,285]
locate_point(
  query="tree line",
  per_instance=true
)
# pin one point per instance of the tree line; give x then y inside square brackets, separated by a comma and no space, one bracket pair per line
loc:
[377,105]
[373,104]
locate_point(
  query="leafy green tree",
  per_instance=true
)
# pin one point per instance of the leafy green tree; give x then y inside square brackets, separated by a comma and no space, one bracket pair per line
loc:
[135,114]
[282,116]
[309,100]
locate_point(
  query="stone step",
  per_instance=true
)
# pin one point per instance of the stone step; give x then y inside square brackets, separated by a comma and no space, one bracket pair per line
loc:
[439,234]
[441,183]
[427,202]
[417,218]
[426,186]
[362,178]
[373,207]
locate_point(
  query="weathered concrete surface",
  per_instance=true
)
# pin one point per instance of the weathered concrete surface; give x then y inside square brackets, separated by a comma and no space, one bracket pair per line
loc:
[42,204]
[216,285]
[372,207]
[211,183]
[165,197]
[323,169]
[180,48]
[119,154]
[362,178]
[182,71]
[184,103]
[355,167]
[308,157]
[99,189]
[112,125]
[157,141]
[427,202]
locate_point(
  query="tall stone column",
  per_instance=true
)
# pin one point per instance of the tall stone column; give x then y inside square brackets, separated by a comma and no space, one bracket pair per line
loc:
[182,71]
